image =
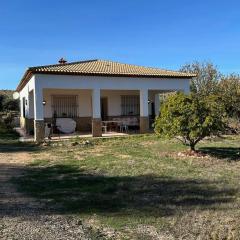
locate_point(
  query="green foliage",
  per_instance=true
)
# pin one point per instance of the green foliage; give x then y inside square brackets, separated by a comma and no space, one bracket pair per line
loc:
[230,93]
[7,103]
[209,81]
[1,102]
[7,134]
[11,105]
[190,118]
[8,120]
[207,78]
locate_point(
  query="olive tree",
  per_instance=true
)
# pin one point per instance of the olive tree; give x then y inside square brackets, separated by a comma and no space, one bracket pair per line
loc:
[207,78]
[190,118]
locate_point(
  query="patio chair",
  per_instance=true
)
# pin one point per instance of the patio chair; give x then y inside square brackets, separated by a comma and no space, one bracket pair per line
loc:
[121,125]
[104,128]
[123,128]
[48,130]
[124,125]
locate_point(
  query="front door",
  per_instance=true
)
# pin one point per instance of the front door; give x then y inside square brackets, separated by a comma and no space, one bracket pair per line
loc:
[104,108]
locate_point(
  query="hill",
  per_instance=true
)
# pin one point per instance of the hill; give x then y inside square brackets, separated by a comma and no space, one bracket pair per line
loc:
[7,93]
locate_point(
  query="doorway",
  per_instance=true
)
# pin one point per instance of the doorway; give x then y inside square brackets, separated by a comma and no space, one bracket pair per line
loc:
[104,108]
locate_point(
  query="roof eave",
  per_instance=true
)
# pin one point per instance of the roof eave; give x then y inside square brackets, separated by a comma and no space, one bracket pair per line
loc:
[29,73]
[114,75]
[26,77]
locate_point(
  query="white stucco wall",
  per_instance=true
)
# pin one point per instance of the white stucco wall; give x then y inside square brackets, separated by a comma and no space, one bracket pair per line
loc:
[24,93]
[83,96]
[114,100]
[110,83]
[45,85]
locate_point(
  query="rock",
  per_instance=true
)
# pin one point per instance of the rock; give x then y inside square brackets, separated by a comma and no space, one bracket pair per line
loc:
[87,143]
[74,143]
[45,144]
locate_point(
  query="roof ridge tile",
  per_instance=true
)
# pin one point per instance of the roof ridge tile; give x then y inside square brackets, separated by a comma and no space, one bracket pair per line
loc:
[63,64]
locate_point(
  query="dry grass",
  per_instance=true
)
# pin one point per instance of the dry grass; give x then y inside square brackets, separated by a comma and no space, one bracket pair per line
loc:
[139,188]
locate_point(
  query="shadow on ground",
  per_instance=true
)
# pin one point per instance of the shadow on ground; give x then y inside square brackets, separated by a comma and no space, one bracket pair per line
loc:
[18,147]
[229,153]
[66,190]
[9,142]
[13,145]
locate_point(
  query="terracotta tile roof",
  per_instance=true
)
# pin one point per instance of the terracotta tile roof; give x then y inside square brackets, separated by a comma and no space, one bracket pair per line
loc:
[104,68]
[108,68]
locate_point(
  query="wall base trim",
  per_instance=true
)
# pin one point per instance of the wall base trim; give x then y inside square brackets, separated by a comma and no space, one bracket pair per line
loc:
[96,127]
[144,124]
[39,131]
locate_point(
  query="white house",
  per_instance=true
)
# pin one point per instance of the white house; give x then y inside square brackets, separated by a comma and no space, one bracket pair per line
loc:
[89,91]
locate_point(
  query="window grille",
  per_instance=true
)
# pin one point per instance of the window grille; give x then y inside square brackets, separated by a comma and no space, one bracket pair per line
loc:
[64,106]
[130,105]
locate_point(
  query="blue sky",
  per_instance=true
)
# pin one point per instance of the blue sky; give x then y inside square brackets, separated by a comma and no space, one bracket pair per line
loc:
[156,33]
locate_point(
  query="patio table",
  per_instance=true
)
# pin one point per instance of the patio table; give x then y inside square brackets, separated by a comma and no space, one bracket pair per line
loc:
[108,122]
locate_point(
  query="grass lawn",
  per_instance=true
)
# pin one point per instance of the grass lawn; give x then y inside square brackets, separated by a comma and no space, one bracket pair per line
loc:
[140,188]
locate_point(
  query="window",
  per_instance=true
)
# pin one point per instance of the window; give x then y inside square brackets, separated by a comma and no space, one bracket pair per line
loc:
[64,106]
[130,105]
[23,107]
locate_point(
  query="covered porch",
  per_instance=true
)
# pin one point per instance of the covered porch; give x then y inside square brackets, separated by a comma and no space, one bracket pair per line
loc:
[96,112]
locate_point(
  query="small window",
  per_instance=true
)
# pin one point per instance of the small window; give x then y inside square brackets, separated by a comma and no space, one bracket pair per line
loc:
[64,106]
[130,105]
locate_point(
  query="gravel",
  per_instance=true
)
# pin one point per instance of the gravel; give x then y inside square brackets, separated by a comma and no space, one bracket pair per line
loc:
[49,227]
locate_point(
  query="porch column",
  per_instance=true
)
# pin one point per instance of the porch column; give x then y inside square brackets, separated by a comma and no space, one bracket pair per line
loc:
[144,118]
[39,128]
[96,114]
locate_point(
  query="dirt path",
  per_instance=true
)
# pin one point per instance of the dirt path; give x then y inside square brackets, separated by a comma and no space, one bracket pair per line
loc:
[21,217]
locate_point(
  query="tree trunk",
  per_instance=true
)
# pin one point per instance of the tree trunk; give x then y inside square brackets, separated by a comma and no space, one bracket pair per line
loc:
[192,146]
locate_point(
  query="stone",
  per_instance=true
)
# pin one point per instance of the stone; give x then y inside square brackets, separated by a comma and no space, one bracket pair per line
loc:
[74,143]
[39,131]
[96,127]
[144,124]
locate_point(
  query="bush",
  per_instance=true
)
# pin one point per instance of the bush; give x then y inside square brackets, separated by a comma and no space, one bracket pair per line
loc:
[8,104]
[233,126]
[190,118]
[8,120]
[229,90]
[11,105]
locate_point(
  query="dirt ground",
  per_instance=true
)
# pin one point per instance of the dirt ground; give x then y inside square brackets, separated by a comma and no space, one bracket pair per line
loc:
[23,218]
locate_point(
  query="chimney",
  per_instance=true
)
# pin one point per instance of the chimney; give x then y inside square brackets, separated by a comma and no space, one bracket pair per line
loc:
[62,61]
